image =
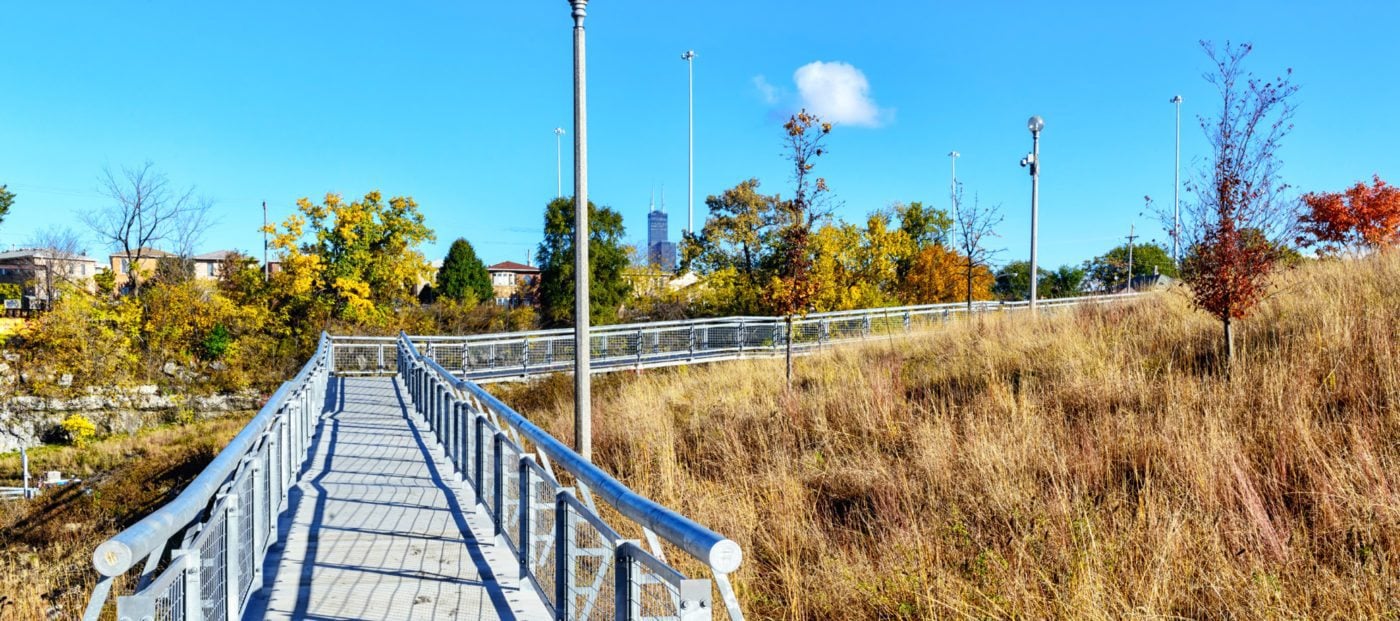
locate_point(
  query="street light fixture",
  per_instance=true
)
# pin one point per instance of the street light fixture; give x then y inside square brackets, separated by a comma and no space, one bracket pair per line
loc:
[1032,161]
[689,58]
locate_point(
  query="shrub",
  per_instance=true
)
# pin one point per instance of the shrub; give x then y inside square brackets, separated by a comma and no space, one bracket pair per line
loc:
[79,429]
[216,343]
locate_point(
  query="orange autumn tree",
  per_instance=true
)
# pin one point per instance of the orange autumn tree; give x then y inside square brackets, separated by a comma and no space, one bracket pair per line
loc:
[1237,227]
[1362,217]
[940,274]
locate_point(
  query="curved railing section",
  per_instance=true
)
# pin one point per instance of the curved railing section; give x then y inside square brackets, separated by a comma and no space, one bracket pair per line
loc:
[224,521]
[507,356]
[581,567]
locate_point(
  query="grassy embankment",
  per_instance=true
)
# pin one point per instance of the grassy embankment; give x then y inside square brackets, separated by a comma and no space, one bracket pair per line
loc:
[46,544]
[1092,465]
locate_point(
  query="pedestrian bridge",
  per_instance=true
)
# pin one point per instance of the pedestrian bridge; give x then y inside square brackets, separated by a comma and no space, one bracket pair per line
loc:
[383,482]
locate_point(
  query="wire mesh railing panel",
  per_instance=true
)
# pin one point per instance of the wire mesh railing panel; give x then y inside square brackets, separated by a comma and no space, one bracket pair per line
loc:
[449,355]
[244,485]
[488,468]
[591,585]
[652,594]
[510,495]
[213,588]
[362,357]
[540,557]
[169,593]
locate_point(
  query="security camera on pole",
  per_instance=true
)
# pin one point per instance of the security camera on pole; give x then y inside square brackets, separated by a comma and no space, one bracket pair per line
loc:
[1032,161]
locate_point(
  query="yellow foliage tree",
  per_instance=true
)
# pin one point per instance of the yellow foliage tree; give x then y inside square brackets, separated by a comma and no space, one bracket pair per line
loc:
[361,260]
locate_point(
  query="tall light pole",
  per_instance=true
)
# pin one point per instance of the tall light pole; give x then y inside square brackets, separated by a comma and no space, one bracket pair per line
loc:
[583,390]
[1176,190]
[689,58]
[1032,161]
[558,162]
[953,182]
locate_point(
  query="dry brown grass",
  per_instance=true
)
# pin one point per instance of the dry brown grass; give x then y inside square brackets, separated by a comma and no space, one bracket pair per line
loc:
[1092,465]
[46,545]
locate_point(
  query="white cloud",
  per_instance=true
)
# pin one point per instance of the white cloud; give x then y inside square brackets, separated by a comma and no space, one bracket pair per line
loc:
[767,91]
[837,92]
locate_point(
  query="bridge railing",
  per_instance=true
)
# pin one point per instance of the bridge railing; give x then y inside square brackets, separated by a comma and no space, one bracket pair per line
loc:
[223,523]
[494,357]
[581,567]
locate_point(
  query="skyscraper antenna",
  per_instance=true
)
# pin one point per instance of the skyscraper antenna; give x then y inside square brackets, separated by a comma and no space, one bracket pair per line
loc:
[652,206]
[663,198]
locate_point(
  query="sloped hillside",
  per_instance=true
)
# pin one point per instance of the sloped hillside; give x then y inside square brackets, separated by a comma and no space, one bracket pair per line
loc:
[1096,464]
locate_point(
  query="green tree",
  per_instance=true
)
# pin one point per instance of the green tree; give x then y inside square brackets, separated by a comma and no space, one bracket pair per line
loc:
[462,277]
[1013,281]
[7,198]
[607,258]
[1109,270]
[925,226]
[737,237]
[1066,282]
[362,257]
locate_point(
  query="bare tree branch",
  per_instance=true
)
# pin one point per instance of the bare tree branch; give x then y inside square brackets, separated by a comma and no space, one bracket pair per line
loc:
[144,212]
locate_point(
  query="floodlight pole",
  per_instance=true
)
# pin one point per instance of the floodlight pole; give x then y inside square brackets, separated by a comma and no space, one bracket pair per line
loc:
[953,182]
[689,58]
[1176,190]
[583,390]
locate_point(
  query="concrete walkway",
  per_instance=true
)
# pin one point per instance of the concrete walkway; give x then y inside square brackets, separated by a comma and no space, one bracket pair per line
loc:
[381,528]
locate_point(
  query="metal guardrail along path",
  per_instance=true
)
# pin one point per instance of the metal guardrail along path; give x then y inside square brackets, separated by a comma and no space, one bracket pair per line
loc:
[376,530]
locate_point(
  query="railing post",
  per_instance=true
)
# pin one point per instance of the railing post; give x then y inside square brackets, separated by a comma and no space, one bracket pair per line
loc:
[497,513]
[823,333]
[549,352]
[523,545]
[740,337]
[194,605]
[525,356]
[695,600]
[477,458]
[865,327]
[622,583]
[380,368]
[908,321]
[692,341]
[563,551]
[232,572]
[259,527]
[639,349]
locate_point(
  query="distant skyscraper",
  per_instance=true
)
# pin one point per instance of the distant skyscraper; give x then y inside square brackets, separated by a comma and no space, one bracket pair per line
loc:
[660,250]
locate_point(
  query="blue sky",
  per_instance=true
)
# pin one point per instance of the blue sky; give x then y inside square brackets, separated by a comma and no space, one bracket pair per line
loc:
[454,103]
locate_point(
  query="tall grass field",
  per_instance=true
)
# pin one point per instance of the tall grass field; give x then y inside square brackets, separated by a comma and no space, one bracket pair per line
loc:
[1095,464]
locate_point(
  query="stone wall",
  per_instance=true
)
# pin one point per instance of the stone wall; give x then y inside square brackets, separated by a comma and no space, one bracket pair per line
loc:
[27,421]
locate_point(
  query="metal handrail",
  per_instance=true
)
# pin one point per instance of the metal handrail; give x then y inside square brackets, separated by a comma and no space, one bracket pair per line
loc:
[505,356]
[720,553]
[149,537]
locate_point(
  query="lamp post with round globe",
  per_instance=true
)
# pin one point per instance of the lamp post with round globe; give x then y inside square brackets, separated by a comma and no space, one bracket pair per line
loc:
[1032,161]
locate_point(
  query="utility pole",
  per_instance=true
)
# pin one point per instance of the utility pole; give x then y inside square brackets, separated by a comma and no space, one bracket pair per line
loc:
[583,389]
[1176,190]
[267,269]
[689,58]
[558,162]
[1131,237]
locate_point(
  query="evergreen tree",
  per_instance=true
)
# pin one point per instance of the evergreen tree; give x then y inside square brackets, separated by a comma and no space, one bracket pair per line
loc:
[607,257]
[463,276]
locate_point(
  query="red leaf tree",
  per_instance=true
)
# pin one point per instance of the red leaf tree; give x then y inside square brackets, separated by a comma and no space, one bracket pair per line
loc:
[1363,217]
[1240,222]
